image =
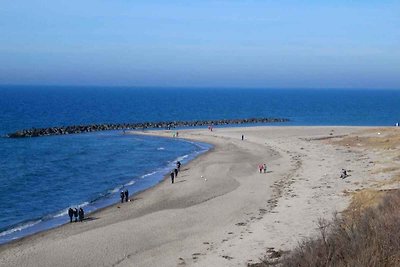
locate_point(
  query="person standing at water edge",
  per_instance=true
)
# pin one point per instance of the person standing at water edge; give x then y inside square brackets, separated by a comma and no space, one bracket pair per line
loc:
[81,214]
[176,172]
[76,214]
[70,214]
[126,193]
[178,165]
[172,177]
[122,196]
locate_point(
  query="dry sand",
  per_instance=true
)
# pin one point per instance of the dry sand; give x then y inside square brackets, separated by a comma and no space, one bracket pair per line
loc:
[221,211]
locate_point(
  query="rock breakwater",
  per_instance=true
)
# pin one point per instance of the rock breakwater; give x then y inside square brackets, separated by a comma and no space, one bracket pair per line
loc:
[74,129]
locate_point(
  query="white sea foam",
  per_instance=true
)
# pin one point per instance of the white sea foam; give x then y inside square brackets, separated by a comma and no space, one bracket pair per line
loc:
[63,213]
[130,183]
[181,158]
[19,228]
[115,190]
[148,174]
[84,204]
[161,148]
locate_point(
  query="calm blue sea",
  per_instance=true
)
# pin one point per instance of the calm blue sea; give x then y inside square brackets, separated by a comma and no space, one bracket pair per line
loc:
[41,177]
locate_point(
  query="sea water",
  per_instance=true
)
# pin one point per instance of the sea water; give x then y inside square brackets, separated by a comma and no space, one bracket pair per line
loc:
[41,177]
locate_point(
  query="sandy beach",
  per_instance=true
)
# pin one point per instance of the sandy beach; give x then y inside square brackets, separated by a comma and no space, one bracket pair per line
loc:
[221,211]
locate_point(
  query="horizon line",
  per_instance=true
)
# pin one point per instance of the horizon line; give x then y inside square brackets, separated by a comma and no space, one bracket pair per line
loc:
[195,87]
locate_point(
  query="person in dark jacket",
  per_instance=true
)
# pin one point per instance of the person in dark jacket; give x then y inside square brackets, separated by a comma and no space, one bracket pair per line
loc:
[81,214]
[172,177]
[126,193]
[70,214]
[178,165]
[122,196]
[176,172]
[76,214]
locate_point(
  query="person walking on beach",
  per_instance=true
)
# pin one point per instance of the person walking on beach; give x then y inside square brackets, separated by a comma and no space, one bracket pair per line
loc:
[178,166]
[70,214]
[172,177]
[260,167]
[343,174]
[76,214]
[81,214]
[126,193]
[176,172]
[122,196]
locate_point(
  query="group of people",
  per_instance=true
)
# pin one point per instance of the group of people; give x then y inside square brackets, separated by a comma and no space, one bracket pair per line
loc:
[262,168]
[78,214]
[174,172]
[124,195]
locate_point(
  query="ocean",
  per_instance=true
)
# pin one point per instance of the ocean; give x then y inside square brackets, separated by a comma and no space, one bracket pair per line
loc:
[41,177]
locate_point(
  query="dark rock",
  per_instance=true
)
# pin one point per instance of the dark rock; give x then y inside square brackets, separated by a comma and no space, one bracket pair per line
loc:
[73,129]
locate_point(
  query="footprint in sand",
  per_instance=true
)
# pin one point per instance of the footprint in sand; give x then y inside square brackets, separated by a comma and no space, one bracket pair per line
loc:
[181,261]
[196,255]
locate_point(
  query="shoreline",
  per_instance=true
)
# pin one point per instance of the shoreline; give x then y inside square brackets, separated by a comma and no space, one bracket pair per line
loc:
[228,219]
[100,211]
[57,219]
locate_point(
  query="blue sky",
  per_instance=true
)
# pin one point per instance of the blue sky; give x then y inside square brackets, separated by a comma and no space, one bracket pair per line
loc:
[273,44]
